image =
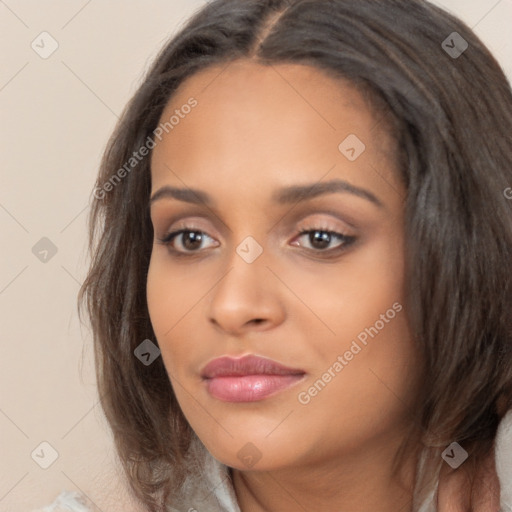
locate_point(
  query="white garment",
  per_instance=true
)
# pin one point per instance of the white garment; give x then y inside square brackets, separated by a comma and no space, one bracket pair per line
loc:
[67,501]
[214,491]
[503,455]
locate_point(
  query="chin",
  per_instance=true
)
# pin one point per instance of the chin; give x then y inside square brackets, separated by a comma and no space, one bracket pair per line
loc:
[254,451]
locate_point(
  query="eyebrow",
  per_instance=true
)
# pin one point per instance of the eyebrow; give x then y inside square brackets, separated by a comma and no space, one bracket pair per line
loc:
[286,195]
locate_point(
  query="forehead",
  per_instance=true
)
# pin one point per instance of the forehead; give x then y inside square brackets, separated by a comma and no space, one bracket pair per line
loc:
[282,122]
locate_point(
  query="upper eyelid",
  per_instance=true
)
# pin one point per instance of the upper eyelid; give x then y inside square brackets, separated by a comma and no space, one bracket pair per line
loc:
[189,217]
[346,216]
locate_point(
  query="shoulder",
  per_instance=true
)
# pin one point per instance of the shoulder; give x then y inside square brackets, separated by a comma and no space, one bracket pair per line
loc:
[503,458]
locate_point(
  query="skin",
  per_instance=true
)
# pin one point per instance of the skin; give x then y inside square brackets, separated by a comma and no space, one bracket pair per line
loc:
[257,129]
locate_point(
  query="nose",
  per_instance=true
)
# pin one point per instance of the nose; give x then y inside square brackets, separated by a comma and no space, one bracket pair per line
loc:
[246,297]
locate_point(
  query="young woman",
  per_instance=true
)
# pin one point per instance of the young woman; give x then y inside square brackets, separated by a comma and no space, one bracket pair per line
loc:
[301,279]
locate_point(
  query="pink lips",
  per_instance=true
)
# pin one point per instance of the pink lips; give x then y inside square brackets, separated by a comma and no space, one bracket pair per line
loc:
[247,379]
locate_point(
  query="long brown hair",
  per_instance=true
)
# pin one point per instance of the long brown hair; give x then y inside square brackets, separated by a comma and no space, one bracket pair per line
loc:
[450,111]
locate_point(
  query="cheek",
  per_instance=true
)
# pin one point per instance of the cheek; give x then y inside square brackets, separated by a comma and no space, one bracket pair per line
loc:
[377,380]
[172,293]
[169,297]
[365,292]
[363,380]
[161,302]
[364,309]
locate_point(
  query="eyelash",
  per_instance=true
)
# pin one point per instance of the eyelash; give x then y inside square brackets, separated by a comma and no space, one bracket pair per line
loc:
[345,239]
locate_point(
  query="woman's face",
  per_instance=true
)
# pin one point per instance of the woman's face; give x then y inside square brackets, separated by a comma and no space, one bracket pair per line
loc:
[329,307]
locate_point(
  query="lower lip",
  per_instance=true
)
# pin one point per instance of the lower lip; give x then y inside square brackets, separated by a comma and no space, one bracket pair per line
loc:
[249,388]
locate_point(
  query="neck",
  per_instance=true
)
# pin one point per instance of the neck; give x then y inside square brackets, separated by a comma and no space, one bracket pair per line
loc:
[348,482]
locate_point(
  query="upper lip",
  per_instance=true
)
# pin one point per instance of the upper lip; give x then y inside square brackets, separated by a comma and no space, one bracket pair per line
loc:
[227,366]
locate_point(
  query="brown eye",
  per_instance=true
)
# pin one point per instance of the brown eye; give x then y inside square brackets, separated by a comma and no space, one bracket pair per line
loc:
[321,240]
[189,240]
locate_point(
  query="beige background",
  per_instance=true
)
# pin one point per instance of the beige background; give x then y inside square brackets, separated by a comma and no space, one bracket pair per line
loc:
[57,114]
